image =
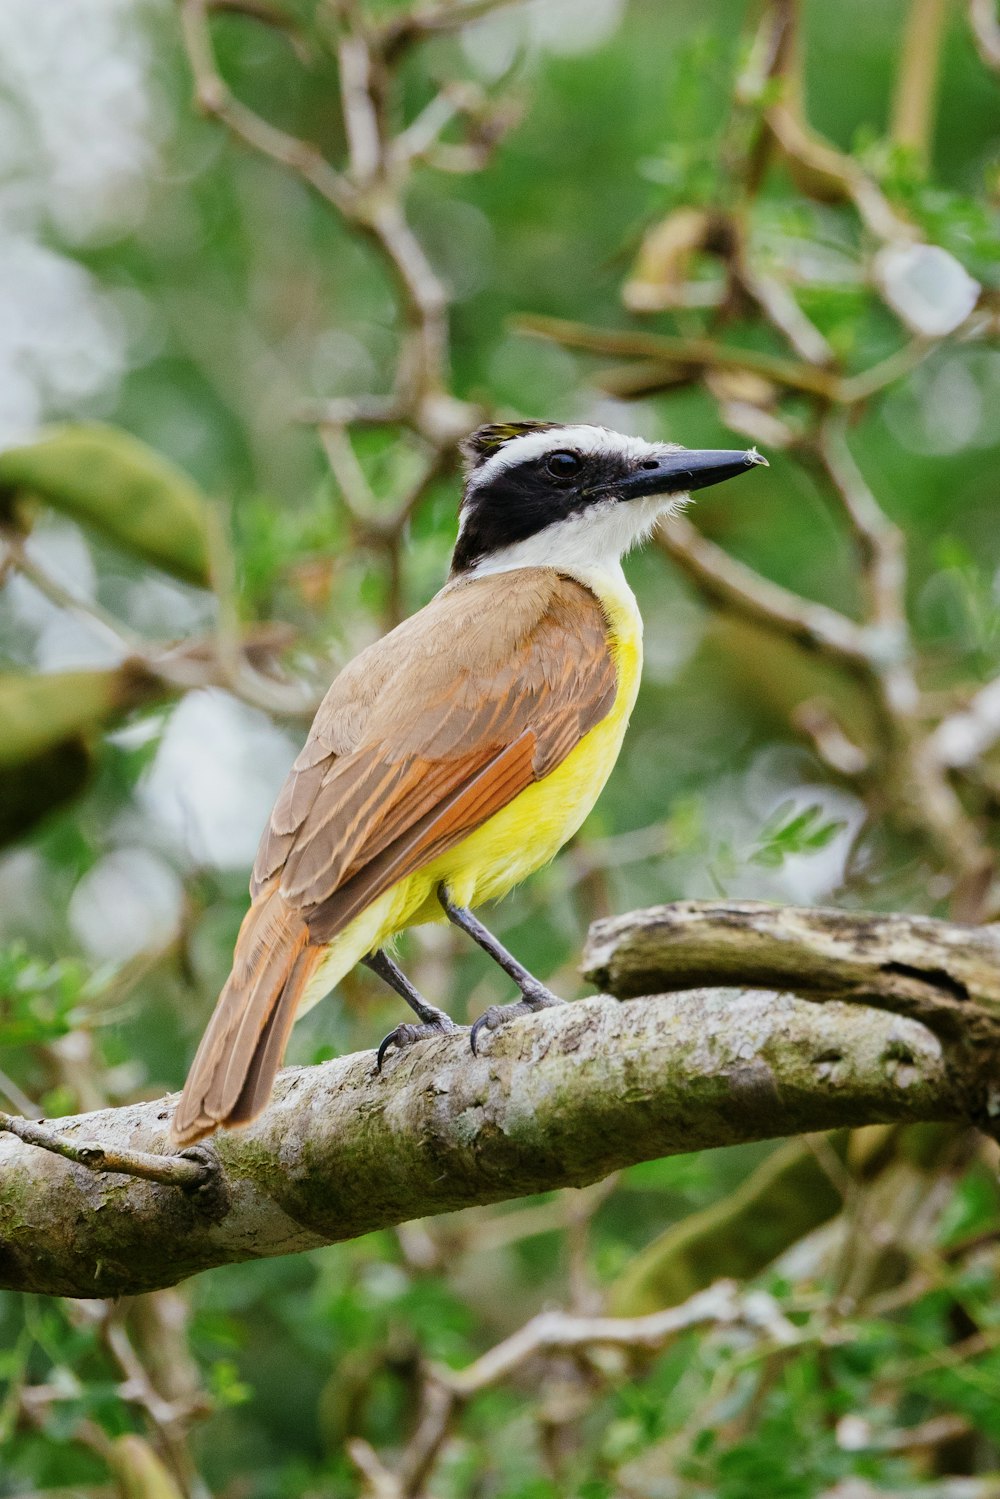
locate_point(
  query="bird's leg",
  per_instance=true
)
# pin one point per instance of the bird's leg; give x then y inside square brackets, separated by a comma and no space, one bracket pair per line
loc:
[534,995]
[433,1021]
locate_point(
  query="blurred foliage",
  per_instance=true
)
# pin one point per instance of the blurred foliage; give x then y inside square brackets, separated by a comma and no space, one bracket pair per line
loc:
[107,480]
[245,302]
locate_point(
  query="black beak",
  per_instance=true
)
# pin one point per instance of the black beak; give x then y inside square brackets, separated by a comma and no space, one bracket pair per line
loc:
[687,469]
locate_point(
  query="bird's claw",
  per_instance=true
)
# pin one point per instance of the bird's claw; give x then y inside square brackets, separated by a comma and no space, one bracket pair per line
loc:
[405,1035]
[534,999]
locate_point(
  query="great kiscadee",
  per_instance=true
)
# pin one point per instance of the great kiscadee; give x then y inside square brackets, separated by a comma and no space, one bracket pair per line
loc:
[457,755]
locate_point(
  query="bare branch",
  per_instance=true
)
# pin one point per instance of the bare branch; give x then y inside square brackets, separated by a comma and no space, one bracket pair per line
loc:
[967,736]
[172,1170]
[551,1332]
[737,588]
[268,15]
[944,974]
[823,172]
[434,19]
[835,748]
[686,356]
[877,653]
[364,138]
[880,544]
[214,98]
[915,99]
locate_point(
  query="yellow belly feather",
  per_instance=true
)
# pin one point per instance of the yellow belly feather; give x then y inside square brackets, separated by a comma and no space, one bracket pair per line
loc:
[525,835]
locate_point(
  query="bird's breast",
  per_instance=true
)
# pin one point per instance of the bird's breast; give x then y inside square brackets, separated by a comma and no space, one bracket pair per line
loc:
[528,833]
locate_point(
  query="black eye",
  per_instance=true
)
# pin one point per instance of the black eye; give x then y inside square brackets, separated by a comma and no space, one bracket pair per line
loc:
[563,465]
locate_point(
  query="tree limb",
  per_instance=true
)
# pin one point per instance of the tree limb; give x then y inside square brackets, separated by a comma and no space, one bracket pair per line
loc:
[561,1100]
[174,1170]
[941,973]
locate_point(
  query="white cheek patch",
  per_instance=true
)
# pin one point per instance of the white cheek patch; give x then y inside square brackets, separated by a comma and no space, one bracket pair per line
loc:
[584,439]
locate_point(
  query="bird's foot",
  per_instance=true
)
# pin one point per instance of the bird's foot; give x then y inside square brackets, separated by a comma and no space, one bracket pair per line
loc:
[405,1035]
[533,998]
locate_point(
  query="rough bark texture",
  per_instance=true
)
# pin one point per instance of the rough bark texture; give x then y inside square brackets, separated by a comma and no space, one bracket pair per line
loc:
[560,1099]
[941,973]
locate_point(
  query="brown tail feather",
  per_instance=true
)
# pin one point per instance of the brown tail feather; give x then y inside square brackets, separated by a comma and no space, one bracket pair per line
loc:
[233,1072]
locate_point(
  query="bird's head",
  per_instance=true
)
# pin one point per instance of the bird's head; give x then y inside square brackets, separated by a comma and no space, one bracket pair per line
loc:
[543,494]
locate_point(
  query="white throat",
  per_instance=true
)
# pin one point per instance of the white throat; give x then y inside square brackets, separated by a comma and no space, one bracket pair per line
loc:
[594,540]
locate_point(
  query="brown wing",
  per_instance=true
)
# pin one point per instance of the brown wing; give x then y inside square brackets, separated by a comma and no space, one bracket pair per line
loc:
[431,732]
[421,739]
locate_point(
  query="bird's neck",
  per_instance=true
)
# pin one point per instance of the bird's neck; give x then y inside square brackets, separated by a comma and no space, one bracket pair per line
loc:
[604,577]
[592,541]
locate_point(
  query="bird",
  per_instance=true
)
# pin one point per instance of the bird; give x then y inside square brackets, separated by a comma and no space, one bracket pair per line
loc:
[455,756]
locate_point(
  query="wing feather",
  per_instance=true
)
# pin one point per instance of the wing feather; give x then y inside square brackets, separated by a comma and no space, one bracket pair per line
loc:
[430,738]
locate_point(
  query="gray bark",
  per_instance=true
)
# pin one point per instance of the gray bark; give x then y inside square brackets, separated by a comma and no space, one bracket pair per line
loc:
[559,1099]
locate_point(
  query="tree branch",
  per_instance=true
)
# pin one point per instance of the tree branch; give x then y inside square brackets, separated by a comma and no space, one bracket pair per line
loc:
[732,585]
[963,738]
[173,1170]
[941,973]
[562,1100]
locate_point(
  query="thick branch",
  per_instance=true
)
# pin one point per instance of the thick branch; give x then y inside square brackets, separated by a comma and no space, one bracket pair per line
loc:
[560,1100]
[941,973]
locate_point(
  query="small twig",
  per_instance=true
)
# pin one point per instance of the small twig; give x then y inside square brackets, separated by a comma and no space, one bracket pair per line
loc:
[138,1388]
[356,493]
[190,663]
[693,355]
[861,387]
[364,138]
[173,1171]
[214,98]
[87,611]
[824,171]
[379,1482]
[966,736]
[679,359]
[879,543]
[744,592]
[424,130]
[834,747]
[878,654]
[268,15]
[783,312]
[915,98]
[559,1331]
[434,19]
[446,1391]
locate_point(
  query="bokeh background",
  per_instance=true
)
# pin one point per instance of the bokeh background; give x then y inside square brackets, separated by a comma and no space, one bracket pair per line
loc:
[160,275]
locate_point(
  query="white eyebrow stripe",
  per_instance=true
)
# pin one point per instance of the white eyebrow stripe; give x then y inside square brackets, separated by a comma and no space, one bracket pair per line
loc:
[581,439]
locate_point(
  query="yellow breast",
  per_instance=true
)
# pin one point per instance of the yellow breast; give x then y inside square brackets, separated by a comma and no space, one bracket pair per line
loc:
[531,830]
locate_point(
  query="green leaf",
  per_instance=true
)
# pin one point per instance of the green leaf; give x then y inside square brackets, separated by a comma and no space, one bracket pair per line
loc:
[39,1002]
[115,484]
[48,721]
[38,712]
[788,832]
